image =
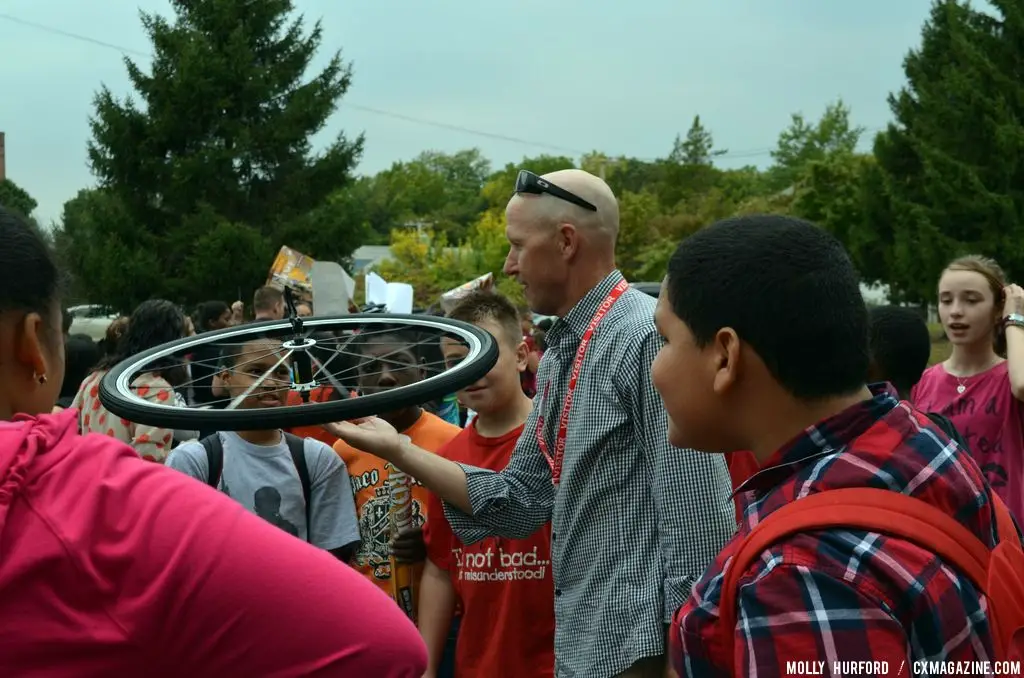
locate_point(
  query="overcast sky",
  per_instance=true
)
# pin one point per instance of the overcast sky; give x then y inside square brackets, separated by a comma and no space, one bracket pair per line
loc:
[556,76]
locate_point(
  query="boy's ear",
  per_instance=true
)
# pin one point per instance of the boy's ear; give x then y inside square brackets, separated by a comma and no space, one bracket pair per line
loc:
[522,356]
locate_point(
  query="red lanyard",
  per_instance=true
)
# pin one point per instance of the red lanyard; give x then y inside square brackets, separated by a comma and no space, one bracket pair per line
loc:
[555,460]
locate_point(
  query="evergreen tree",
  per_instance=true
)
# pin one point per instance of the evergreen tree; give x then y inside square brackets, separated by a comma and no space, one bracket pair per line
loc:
[210,164]
[952,165]
[698,148]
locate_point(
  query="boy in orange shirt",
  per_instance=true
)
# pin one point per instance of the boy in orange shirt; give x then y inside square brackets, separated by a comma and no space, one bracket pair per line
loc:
[390,360]
[503,586]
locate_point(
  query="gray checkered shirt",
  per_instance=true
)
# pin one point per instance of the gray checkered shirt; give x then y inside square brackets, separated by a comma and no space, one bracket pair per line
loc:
[634,520]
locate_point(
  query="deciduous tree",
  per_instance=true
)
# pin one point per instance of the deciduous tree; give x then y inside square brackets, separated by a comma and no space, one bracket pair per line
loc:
[16,198]
[803,142]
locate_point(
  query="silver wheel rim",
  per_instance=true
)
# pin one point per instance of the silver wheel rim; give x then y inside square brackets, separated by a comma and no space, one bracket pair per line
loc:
[131,368]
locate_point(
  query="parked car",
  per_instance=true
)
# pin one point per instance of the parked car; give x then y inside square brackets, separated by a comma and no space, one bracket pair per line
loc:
[649,288]
[91,320]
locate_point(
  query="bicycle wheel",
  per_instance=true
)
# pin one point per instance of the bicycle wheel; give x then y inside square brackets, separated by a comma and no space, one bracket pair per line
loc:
[309,347]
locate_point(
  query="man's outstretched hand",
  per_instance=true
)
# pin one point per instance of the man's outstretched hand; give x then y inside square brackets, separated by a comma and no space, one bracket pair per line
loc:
[373,435]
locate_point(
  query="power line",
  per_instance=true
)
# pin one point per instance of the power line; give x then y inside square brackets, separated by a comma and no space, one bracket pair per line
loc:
[735,155]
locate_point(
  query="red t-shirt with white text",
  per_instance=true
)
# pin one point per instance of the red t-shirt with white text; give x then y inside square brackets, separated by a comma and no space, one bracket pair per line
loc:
[504,586]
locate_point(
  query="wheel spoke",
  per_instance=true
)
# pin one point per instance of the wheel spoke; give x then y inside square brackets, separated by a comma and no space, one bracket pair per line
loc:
[338,386]
[256,384]
[339,355]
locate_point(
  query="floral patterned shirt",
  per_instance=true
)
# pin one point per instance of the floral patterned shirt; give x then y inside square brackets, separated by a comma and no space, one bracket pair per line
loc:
[150,442]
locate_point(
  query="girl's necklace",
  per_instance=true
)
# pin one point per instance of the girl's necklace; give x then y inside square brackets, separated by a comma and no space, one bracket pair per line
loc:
[961,386]
[962,381]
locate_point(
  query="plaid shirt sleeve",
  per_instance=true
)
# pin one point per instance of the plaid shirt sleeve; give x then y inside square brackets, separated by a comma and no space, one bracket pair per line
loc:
[801,613]
[691,489]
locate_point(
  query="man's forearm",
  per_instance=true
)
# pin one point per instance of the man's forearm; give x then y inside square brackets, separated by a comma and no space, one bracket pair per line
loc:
[444,478]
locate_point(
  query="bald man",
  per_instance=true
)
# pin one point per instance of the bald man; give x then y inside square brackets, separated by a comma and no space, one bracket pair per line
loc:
[634,520]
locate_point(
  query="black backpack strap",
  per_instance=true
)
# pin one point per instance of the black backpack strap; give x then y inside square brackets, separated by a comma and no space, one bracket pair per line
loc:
[297,447]
[949,429]
[214,458]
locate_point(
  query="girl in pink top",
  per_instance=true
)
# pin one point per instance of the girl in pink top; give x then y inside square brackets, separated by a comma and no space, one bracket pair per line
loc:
[110,566]
[977,388]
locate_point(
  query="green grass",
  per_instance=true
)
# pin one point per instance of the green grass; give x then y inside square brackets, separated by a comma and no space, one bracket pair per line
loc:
[941,348]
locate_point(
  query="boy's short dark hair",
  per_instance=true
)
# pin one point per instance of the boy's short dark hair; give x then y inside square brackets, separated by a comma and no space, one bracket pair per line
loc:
[790,292]
[488,305]
[379,333]
[901,345]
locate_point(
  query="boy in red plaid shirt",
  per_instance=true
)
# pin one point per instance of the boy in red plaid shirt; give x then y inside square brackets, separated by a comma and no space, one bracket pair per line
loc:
[764,317]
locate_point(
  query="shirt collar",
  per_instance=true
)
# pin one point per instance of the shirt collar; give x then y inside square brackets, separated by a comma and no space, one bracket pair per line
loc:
[822,439]
[580,315]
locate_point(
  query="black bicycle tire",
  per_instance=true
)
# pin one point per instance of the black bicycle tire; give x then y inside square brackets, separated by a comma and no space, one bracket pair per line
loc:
[436,386]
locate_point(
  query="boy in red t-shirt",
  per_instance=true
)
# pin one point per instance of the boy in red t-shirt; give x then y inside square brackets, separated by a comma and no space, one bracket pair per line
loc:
[503,586]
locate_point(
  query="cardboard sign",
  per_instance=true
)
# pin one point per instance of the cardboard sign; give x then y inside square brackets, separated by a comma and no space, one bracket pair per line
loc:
[292,269]
[450,298]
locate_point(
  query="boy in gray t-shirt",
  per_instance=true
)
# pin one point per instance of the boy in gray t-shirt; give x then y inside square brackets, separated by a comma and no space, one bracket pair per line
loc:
[258,469]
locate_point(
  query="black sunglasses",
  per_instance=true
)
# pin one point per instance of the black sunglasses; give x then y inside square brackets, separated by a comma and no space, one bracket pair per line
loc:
[528,182]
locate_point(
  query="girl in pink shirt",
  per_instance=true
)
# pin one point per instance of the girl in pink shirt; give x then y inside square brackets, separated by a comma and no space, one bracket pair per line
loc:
[110,566]
[978,388]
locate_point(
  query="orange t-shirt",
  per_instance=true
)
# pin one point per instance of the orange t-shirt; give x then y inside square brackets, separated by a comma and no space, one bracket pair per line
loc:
[319,395]
[370,475]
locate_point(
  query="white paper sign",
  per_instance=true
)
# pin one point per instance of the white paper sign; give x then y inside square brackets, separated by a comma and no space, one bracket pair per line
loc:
[376,289]
[398,297]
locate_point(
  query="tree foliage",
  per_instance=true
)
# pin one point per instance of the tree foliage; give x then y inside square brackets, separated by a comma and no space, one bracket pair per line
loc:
[952,164]
[803,143]
[432,266]
[698,148]
[208,169]
[212,156]
[16,198]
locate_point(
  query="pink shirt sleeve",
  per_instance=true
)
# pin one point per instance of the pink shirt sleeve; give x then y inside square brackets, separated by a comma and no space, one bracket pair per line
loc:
[213,590]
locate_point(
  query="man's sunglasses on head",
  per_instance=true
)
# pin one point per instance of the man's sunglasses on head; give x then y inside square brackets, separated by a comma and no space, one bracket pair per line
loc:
[528,182]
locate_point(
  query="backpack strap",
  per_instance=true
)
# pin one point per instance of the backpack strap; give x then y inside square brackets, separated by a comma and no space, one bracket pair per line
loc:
[949,429]
[297,447]
[862,508]
[214,447]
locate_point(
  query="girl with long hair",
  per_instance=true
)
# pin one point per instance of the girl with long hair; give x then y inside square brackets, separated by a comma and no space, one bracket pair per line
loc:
[980,387]
[153,322]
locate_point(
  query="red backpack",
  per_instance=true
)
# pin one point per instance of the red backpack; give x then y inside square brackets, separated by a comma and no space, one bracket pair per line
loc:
[998,573]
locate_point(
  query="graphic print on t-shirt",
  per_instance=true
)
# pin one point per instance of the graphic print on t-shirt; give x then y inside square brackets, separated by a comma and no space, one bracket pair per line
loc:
[264,480]
[267,505]
[490,561]
[982,421]
[369,476]
[504,586]
[375,522]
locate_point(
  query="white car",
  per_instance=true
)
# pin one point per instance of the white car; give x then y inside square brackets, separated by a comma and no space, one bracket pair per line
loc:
[91,320]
